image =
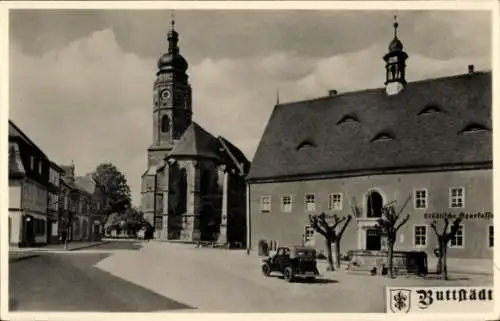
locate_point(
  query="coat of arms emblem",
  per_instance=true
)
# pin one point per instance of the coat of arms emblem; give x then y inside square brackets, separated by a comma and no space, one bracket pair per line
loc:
[400,300]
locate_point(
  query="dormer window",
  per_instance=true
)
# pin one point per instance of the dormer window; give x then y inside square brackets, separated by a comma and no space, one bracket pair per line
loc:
[430,109]
[306,144]
[382,137]
[348,119]
[474,128]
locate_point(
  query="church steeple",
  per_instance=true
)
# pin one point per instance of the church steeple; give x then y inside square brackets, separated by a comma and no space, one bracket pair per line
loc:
[172,59]
[395,64]
[173,39]
[172,104]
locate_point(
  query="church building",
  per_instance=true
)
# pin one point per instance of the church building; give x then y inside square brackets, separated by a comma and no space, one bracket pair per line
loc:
[427,145]
[194,186]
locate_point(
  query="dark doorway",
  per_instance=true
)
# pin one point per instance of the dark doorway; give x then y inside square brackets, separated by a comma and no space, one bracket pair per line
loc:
[373,240]
[29,233]
[208,224]
[374,204]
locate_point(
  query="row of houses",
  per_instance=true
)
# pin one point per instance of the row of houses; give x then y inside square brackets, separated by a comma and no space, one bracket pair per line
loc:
[47,202]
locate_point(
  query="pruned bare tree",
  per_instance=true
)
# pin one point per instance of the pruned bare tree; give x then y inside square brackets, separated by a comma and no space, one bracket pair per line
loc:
[443,239]
[388,226]
[330,234]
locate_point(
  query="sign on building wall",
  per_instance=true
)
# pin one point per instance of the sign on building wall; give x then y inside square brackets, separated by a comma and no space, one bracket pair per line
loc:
[462,215]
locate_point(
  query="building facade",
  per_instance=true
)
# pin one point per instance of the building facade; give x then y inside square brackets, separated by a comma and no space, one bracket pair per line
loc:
[194,187]
[53,193]
[82,217]
[426,145]
[28,190]
[90,208]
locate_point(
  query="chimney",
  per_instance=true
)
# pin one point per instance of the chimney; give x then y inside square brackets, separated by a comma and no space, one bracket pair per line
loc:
[332,92]
[471,69]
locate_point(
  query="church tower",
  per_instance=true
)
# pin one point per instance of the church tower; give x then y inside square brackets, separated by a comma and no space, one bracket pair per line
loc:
[172,111]
[395,64]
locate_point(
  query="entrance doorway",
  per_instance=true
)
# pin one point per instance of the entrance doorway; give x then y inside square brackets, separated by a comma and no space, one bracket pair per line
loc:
[28,228]
[373,242]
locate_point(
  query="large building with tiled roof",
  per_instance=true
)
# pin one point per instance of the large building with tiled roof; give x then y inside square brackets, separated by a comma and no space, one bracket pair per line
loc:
[193,188]
[351,153]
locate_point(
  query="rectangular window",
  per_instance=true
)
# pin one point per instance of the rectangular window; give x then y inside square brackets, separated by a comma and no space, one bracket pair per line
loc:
[40,167]
[309,236]
[420,235]
[335,202]
[491,238]
[286,204]
[420,199]
[32,163]
[457,197]
[310,203]
[265,204]
[458,240]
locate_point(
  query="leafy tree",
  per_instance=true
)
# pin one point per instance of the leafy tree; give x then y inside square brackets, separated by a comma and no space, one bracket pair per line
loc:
[113,190]
[388,226]
[443,239]
[129,221]
[329,232]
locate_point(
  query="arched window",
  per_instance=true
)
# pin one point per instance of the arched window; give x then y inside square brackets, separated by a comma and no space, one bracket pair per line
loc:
[349,118]
[475,128]
[430,109]
[384,136]
[305,143]
[165,125]
[374,204]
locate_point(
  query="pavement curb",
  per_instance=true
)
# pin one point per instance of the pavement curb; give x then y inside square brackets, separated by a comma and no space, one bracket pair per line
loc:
[45,250]
[23,258]
[89,246]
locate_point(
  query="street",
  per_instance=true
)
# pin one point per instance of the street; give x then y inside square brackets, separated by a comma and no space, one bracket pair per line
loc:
[156,277]
[70,282]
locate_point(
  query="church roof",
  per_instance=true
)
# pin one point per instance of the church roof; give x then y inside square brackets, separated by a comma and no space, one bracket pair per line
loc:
[434,122]
[236,155]
[196,142]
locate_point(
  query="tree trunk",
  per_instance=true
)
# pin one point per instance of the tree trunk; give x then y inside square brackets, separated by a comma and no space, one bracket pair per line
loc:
[337,254]
[390,254]
[445,265]
[439,269]
[328,243]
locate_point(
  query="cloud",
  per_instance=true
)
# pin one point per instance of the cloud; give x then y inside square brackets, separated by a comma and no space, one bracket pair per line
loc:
[90,101]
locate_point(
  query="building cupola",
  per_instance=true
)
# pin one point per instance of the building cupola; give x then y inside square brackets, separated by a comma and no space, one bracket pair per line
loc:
[395,64]
[172,59]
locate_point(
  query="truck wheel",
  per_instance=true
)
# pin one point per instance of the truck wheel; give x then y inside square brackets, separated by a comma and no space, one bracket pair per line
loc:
[288,274]
[266,269]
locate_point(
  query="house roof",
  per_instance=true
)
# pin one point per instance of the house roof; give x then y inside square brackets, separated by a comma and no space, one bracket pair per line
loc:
[368,130]
[196,142]
[85,183]
[16,132]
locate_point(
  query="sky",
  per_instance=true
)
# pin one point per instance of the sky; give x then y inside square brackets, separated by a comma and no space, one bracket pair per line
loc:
[81,80]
